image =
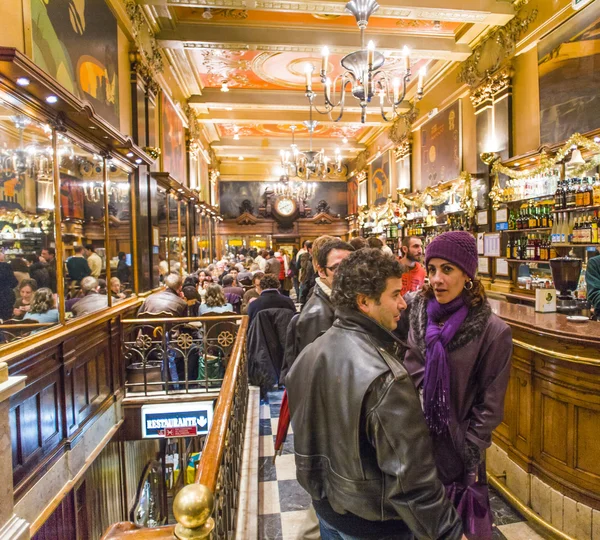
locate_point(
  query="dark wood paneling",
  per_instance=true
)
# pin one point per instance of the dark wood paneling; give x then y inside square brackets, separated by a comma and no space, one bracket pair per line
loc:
[61,523]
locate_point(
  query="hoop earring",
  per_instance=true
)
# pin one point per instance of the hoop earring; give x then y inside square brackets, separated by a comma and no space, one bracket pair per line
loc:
[470,282]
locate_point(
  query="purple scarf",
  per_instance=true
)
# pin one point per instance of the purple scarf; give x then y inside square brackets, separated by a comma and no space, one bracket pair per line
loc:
[436,384]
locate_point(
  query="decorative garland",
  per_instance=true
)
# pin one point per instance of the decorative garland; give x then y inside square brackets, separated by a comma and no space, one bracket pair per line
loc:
[548,163]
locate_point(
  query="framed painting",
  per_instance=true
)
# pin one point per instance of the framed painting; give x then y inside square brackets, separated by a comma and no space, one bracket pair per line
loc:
[380,178]
[441,147]
[76,43]
[569,75]
[172,140]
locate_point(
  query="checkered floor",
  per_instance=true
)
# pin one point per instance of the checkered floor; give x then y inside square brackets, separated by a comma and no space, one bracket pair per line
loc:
[283,504]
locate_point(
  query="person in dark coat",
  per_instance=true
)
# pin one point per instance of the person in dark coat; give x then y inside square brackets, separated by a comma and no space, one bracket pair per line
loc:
[123,270]
[266,341]
[167,301]
[464,381]
[270,297]
[38,270]
[273,265]
[311,269]
[49,258]
[77,265]
[8,282]
[362,448]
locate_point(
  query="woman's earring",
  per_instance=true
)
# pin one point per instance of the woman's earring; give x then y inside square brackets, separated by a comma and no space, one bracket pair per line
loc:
[470,283]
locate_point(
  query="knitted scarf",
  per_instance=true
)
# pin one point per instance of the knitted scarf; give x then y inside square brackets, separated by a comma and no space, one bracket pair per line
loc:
[436,384]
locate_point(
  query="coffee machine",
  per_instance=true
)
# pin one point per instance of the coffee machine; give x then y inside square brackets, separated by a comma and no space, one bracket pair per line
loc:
[565,273]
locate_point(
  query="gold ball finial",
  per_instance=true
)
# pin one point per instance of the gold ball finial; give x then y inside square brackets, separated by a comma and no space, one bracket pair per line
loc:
[193,505]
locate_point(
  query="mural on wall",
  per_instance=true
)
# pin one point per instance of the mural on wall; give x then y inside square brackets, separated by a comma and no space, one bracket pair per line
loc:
[173,141]
[232,194]
[441,147]
[352,196]
[569,74]
[380,178]
[76,43]
[72,199]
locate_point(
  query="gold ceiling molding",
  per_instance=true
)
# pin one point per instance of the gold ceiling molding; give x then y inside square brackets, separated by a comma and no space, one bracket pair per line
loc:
[495,50]
[228,14]
[226,65]
[492,85]
[147,58]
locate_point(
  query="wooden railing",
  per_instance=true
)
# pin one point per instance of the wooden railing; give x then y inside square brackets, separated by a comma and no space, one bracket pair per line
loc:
[209,504]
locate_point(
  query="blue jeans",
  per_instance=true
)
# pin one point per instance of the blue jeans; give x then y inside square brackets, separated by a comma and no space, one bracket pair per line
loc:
[329,533]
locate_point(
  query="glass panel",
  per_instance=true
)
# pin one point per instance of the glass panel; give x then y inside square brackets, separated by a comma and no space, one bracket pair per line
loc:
[183,249]
[82,212]
[27,243]
[163,240]
[120,234]
[174,262]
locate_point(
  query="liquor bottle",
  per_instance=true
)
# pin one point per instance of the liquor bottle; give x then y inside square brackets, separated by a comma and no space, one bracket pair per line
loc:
[550,218]
[578,193]
[588,229]
[554,232]
[571,195]
[570,228]
[595,228]
[588,194]
[512,223]
[565,233]
[509,248]
[516,249]
[596,191]
[559,195]
[537,253]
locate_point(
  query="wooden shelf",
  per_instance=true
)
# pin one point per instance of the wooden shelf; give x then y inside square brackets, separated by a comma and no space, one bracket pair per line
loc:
[541,197]
[577,209]
[577,245]
[528,230]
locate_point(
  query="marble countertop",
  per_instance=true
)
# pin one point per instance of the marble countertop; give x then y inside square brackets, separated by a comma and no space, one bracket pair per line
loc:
[545,323]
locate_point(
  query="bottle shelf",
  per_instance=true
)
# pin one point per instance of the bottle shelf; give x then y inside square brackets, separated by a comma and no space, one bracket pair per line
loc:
[549,197]
[576,209]
[536,229]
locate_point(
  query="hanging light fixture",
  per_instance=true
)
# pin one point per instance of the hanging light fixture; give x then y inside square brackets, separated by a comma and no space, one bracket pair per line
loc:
[363,73]
[308,163]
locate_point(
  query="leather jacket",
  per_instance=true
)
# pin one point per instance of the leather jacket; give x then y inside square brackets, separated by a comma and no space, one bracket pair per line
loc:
[316,318]
[360,439]
[166,302]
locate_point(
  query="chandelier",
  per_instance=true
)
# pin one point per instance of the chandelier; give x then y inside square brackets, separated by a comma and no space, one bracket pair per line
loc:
[308,163]
[363,73]
[299,191]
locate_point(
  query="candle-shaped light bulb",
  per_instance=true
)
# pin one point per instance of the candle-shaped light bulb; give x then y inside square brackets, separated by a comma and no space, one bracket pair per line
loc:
[406,54]
[308,69]
[370,53]
[422,73]
[396,87]
[324,59]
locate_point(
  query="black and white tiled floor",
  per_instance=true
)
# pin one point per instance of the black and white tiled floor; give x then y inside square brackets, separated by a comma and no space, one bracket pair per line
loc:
[283,504]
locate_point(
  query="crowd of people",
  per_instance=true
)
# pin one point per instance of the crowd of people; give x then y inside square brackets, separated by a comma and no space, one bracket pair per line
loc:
[27,283]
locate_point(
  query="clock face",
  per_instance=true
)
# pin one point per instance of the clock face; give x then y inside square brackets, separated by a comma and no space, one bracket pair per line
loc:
[285,207]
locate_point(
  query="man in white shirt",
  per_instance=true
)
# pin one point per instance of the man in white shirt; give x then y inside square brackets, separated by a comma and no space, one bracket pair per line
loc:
[261,260]
[94,261]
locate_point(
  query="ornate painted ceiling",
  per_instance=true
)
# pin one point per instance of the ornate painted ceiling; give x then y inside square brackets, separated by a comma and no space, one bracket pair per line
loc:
[257,51]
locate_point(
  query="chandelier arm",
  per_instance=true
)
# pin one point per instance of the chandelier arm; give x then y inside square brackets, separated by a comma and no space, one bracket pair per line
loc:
[329,104]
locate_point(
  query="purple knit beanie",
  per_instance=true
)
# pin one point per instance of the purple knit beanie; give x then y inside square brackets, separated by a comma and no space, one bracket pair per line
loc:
[457,247]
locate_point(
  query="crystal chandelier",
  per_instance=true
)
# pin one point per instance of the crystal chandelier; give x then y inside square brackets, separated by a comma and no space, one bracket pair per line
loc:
[363,73]
[300,191]
[309,163]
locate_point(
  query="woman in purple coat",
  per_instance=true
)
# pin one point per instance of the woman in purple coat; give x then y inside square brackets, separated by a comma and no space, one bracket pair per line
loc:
[458,354]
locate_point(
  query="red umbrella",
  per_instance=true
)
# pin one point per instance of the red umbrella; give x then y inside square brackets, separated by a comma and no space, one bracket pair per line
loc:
[282,426]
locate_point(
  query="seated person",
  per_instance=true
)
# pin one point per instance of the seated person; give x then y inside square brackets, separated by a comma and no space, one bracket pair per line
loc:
[270,297]
[229,285]
[167,301]
[215,301]
[92,299]
[115,289]
[191,294]
[26,289]
[123,271]
[253,293]
[77,265]
[42,308]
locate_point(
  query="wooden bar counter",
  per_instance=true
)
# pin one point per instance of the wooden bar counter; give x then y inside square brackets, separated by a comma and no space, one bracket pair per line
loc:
[546,452]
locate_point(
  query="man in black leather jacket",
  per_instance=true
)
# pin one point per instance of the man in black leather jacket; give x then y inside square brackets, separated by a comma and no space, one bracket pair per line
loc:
[362,447]
[318,314]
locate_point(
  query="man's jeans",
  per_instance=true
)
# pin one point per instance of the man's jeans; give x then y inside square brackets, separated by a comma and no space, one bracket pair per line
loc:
[329,533]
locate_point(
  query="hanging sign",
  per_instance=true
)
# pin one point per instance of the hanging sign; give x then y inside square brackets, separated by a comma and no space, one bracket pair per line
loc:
[176,419]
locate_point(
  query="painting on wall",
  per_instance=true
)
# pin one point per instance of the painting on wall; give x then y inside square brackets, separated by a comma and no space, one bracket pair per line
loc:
[72,199]
[173,141]
[441,147]
[232,194]
[380,178]
[76,43]
[352,196]
[569,75]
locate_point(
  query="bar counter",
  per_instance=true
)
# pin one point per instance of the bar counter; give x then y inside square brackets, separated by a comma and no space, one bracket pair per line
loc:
[545,454]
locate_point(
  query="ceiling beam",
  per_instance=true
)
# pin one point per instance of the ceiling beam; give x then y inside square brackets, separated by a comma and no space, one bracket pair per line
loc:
[193,36]
[488,12]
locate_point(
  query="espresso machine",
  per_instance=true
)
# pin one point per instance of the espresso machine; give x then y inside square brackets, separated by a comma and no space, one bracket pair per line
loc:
[565,273]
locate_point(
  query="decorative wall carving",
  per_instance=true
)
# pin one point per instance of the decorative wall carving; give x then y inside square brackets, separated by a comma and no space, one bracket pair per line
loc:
[404,149]
[400,129]
[492,85]
[361,160]
[144,38]
[498,47]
